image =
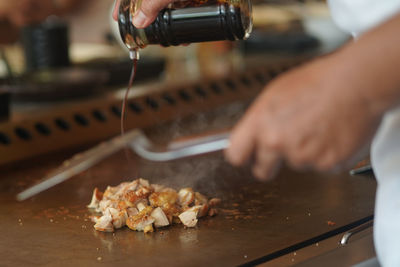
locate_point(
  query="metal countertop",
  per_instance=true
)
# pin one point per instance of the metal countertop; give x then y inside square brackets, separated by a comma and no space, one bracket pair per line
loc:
[256,221]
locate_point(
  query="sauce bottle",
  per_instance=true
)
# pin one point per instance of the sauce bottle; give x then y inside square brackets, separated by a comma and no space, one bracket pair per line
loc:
[187,21]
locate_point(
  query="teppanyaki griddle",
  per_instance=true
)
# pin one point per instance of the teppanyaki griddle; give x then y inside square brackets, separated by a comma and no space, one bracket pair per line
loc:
[256,220]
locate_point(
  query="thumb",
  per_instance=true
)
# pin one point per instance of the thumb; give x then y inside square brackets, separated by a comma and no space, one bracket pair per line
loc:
[115,10]
[148,12]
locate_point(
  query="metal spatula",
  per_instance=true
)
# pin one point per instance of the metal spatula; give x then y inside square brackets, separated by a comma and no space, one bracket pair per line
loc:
[190,146]
[138,142]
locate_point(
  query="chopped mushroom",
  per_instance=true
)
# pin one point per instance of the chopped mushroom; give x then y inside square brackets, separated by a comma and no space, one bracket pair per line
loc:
[120,220]
[148,228]
[214,202]
[188,218]
[132,198]
[157,187]
[212,212]
[172,212]
[142,206]
[168,189]
[160,219]
[160,199]
[97,196]
[201,210]
[122,205]
[94,219]
[132,186]
[132,211]
[141,221]
[144,182]
[104,204]
[186,196]
[140,224]
[199,199]
[109,193]
[104,223]
[118,217]
[120,190]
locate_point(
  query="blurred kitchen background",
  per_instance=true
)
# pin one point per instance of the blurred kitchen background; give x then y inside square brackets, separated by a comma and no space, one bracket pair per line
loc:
[78,55]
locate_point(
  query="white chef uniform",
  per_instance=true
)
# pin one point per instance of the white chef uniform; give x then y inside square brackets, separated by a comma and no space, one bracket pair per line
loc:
[357,17]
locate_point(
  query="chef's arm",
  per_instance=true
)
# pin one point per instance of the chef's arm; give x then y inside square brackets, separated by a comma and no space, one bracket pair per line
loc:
[325,113]
[377,56]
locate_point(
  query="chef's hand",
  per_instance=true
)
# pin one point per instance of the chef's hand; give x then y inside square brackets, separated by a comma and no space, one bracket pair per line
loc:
[323,114]
[312,117]
[147,12]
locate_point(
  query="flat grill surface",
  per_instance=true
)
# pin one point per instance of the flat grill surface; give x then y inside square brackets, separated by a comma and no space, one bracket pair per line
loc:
[256,219]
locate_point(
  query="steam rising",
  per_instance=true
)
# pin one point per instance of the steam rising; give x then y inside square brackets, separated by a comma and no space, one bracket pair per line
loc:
[198,171]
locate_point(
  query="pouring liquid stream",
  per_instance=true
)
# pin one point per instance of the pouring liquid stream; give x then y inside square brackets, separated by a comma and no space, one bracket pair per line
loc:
[125,100]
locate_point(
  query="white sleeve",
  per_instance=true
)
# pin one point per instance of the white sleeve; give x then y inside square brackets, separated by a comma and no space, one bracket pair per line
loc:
[385,157]
[358,16]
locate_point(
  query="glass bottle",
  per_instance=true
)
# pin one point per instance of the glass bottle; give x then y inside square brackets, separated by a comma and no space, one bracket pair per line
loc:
[187,21]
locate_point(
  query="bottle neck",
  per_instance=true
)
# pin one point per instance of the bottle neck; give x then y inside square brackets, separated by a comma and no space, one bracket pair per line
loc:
[132,37]
[134,54]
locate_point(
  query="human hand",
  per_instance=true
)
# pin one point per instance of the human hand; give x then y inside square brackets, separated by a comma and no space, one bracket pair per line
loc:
[312,117]
[147,12]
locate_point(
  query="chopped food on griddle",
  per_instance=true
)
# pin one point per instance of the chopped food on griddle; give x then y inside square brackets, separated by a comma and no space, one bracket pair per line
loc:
[143,206]
[188,218]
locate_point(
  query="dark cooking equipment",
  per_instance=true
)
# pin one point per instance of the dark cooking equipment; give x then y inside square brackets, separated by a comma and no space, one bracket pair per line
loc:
[58,84]
[4,104]
[46,45]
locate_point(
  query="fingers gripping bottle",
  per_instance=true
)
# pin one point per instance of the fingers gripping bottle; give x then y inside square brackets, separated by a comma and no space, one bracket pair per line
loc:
[187,21]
